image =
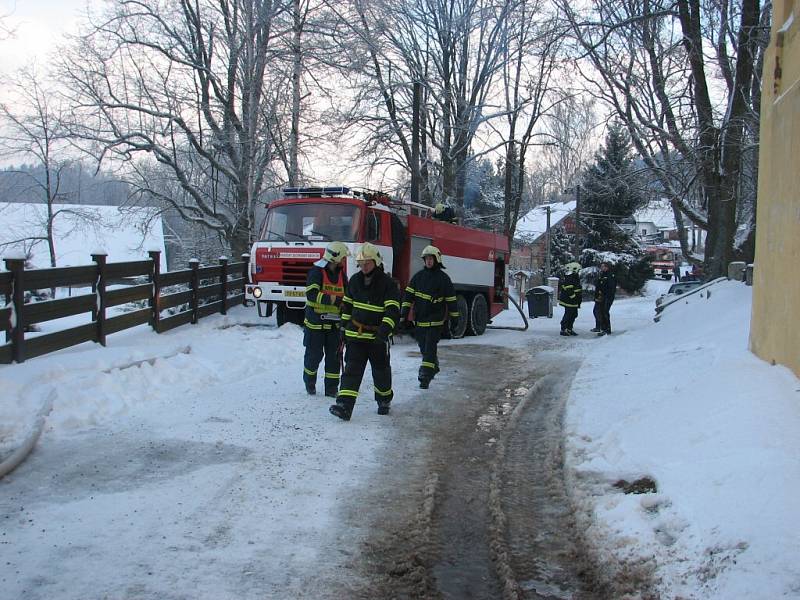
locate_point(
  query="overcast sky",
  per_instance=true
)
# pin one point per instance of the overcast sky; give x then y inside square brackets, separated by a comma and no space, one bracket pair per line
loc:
[38,25]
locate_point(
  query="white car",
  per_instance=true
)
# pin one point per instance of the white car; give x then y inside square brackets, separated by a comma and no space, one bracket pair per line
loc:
[676,289]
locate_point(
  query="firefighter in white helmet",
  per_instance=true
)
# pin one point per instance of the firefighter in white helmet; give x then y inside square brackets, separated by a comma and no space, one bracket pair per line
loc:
[433,297]
[569,296]
[370,312]
[325,289]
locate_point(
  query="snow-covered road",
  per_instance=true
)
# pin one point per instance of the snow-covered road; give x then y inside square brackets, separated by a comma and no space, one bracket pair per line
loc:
[192,464]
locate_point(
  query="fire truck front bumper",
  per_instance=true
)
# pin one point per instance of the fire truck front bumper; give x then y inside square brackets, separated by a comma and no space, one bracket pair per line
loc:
[293,296]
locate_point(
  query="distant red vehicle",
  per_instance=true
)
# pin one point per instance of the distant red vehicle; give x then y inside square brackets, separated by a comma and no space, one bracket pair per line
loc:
[299,226]
[663,261]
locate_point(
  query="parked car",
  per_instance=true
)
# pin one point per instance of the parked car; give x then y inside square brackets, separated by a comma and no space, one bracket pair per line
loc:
[676,289]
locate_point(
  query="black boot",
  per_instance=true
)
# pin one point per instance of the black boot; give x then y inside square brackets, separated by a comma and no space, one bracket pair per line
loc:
[564,332]
[424,383]
[311,389]
[341,411]
[331,393]
[570,332]
[383,408]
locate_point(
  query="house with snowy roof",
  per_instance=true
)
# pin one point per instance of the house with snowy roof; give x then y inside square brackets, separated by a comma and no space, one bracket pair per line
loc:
[653,224]
[530,240]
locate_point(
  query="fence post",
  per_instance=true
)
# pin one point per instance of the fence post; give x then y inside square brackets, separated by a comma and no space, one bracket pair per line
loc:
[99,288]
[155,294]
[194,264]
[245,269]
[223,265]
[16,266]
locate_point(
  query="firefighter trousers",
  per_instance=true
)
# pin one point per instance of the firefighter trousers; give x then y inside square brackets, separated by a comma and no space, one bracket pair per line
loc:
[319,343]
[602,316]
[356,356]
[428,341]
[568,320]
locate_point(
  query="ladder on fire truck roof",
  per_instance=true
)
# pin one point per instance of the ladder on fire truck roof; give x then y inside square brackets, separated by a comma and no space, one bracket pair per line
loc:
[369,195]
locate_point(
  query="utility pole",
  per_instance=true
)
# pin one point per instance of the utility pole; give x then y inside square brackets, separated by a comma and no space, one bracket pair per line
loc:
[577,221]
[546,273]
[415,142]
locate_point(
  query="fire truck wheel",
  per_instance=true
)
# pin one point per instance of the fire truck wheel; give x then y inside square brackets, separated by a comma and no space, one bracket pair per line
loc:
[463,309]
[478,315]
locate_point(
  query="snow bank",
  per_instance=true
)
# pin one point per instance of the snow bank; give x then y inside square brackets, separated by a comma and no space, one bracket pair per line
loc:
[684,403]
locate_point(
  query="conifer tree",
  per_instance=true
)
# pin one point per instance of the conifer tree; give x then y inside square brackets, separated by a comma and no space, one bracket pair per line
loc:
[612,191]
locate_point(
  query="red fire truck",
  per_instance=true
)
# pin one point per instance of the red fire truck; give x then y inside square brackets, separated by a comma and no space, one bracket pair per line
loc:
[299,226]
[663,259]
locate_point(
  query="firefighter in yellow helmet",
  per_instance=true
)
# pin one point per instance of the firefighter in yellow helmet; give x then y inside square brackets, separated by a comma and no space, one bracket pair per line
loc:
[445,213]
[433,297]
[570,295]
[370,312]
[325,290]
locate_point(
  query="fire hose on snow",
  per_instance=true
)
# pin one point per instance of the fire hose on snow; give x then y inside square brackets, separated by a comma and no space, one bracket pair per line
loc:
[522,314]
[21,453]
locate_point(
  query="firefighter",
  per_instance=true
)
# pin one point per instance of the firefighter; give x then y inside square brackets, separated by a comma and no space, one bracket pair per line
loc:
[604,292]
[570,296]
[444,213]
[325,290]
[370,312]
[431,293]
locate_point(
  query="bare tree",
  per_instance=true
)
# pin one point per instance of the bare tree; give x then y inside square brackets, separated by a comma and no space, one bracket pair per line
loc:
[32,128]
[314,56]
[571,124]
[189,85]
[454,48]
[532,57]
[6,29]
[691,117]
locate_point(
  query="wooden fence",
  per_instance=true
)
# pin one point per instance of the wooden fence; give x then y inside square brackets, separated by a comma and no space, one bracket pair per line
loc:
[196,292]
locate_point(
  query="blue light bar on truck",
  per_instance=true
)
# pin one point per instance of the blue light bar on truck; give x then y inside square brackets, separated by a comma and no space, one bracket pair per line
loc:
[316,191]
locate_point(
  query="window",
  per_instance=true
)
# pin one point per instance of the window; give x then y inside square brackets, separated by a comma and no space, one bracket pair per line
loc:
[312,221]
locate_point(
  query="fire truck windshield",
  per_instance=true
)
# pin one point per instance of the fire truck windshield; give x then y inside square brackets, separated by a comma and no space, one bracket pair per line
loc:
[312,221]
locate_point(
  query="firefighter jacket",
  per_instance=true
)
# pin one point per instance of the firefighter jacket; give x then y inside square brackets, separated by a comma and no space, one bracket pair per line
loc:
[606,288]
[570,294]
[434,299]
[370,312]
[323,298]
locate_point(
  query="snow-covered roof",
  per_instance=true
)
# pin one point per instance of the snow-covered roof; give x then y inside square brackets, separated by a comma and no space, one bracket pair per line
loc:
[80,230]
[535,221]
[657,212]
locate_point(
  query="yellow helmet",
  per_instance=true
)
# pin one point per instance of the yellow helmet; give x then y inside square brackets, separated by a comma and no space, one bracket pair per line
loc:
[439,209]
[335,253]
[572,267]
[369,252]
[434,252]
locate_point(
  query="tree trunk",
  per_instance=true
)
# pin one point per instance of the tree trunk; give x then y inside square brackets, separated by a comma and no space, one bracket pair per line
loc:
[297,69]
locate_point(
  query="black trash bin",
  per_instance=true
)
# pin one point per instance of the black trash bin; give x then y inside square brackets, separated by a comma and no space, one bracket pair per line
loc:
[540,303]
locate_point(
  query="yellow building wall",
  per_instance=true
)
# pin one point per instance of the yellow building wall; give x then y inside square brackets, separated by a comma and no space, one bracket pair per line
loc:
[775,321]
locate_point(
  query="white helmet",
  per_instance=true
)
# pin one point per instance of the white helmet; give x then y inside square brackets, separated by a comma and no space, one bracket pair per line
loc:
[369,252]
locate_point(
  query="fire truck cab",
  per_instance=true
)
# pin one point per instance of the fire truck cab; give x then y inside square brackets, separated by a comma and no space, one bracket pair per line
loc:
[299,226]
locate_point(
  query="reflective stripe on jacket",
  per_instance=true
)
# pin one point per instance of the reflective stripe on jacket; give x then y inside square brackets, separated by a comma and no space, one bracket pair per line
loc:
[323,296]
[370,311]
[431,293]
[571,293]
